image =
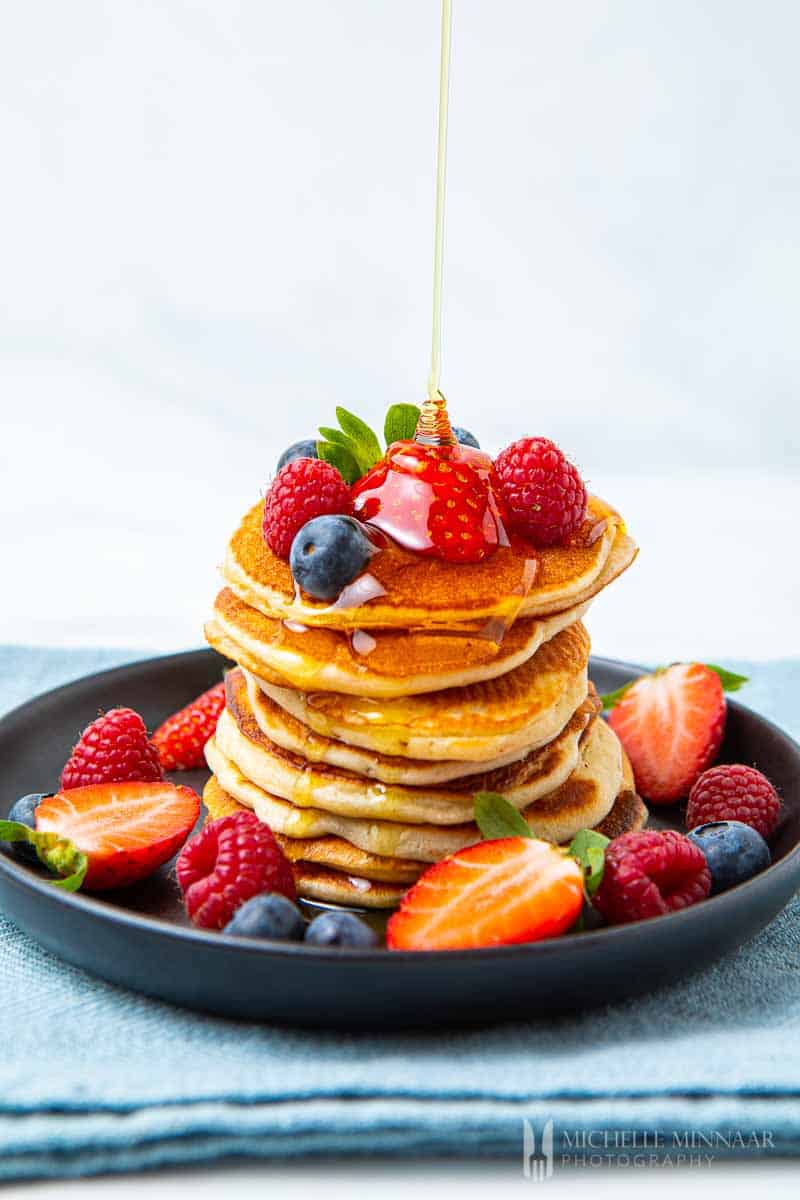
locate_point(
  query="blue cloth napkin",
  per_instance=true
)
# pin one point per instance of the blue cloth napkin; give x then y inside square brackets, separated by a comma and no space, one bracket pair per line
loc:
[94,1079]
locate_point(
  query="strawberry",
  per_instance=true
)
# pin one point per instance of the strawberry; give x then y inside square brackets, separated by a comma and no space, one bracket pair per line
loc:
[182,738]
[495,893]
[671,725]
[111,834]
[436,500]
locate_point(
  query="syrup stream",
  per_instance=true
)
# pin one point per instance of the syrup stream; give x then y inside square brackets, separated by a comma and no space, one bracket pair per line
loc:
[434,395]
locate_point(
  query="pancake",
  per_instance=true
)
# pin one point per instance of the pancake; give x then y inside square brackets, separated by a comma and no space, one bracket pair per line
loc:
[326,869]
[289,776]
[384,665]
[519,712]
[406,590]
[582,801]
[285,730]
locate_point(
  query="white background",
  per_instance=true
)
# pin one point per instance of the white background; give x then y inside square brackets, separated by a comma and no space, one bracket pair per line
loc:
[216,224]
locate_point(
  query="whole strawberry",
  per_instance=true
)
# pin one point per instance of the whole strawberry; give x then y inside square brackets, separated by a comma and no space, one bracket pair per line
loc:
[231,860]
[182,738]
[543,492]
[113,749]
[649,873]
[303,489]
[733,792]
[435,500]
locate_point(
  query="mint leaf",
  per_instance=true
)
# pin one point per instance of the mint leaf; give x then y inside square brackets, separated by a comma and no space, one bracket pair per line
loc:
[364,445]
[56,852]
[589,848]
[496,818]
[401,423]
[335,435]
[731,682]
[341,458]
[612,698]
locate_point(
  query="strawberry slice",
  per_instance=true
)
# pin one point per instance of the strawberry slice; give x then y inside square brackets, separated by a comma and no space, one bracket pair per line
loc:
[671,725]
[495,893]
[124,830]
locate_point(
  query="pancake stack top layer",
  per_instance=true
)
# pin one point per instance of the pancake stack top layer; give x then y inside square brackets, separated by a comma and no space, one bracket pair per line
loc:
[361,730]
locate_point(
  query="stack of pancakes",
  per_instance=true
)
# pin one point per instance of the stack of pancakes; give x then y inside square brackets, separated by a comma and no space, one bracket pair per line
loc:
[360,731]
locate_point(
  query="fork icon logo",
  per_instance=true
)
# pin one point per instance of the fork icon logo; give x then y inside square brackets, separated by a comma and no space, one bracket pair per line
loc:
[537,1167]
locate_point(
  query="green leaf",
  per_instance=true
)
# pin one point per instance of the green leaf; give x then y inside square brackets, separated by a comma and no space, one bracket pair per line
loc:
[335,435]
[731,682]
[341,458]
[589,848]
[364,445]
[401,423]
[57,853]
[496,818]
[612,698]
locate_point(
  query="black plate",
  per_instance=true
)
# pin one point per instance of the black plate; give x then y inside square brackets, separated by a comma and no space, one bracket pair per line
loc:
[140,938]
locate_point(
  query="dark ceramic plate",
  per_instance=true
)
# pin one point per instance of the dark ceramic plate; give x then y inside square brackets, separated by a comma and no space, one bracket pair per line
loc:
[140,938]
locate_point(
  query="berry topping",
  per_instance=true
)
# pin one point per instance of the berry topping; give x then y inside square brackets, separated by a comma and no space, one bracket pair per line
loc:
[328,553]
[269,915]
[181,740]
[465,438]
[734,852]
[545,496]
[436,500]
[126,830]
[23,811]
[304,449]
[649,873]
[230,861]
[338,928]
[113,749]
[304,489]
[494,893]
[733,792]
[671,725]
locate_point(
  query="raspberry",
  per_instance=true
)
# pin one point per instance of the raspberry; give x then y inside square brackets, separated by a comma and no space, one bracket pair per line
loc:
[182,738]
[113,749]
[545,495]
[230,861]
[303,489]
[734,793]
[649,873]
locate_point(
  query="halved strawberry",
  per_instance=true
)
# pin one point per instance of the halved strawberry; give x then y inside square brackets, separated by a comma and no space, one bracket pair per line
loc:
[125,830]
[495,893]
[671,725]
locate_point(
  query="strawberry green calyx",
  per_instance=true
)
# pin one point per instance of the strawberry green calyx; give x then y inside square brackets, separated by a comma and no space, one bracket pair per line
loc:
[588,848]
[354,448]
[58,854]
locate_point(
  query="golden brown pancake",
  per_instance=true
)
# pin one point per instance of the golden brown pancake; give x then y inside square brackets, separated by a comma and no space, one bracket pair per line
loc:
[407,590]
[384,664]
[289,776]
[581,802]
[280,727]
[522,710]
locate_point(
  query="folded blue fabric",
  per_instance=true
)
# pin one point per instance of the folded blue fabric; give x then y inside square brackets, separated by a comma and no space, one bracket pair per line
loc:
[96,1079]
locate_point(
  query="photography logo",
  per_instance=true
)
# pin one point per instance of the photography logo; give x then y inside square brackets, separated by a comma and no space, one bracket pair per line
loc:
[537,1167]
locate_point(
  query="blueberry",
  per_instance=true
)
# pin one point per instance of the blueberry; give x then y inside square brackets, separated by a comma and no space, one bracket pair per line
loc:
[338,928]
[24,812]
[465,437]
[328,553]
[305,449]
[734,852]
[269,915]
